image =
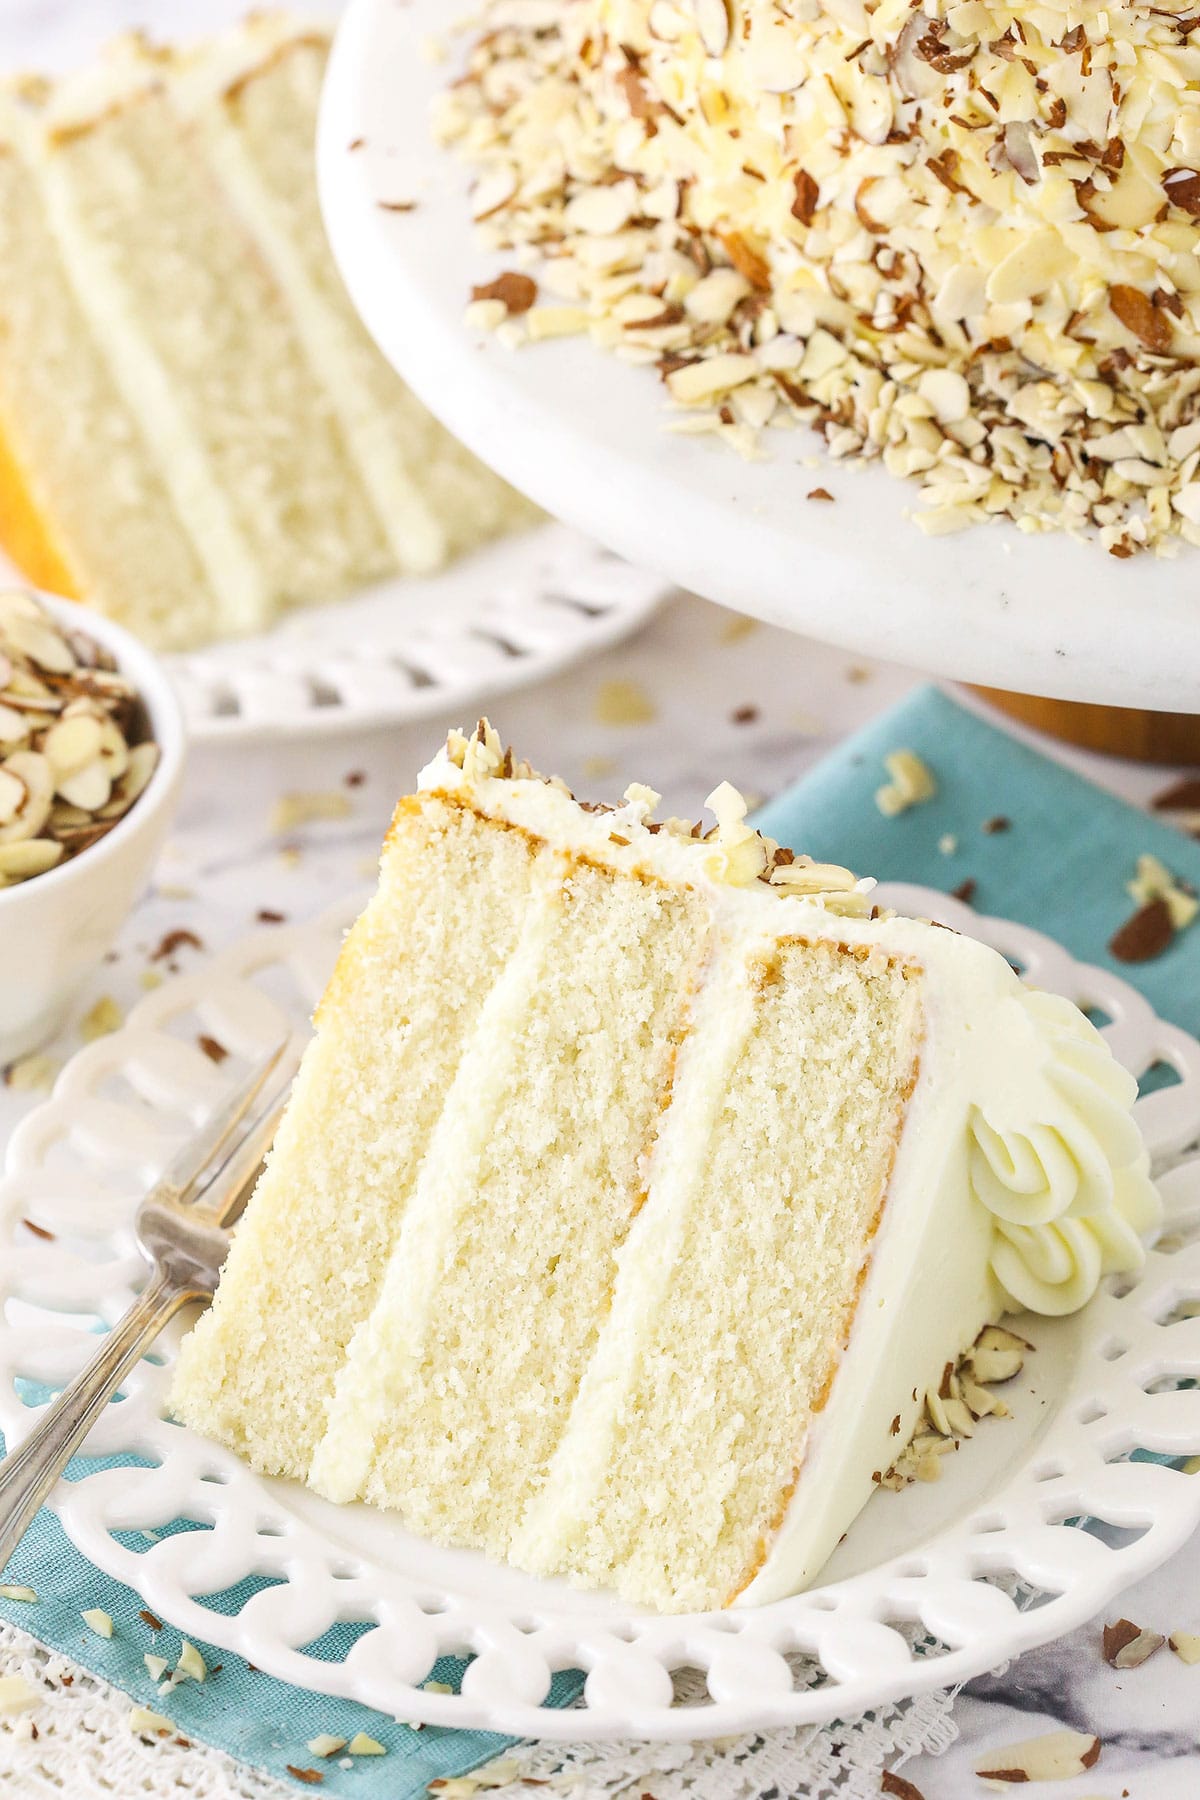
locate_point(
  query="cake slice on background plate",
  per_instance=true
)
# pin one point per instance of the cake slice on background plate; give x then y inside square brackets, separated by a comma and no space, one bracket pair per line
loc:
[195,430]
[638,1185]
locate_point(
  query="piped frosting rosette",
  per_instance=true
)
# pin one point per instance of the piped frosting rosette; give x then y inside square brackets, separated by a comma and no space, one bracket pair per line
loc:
[1068,1185]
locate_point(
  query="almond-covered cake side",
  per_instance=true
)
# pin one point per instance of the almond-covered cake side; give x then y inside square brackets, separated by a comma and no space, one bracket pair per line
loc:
[959,237]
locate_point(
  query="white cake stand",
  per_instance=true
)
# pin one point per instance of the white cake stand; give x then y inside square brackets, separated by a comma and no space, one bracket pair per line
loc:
[582,434]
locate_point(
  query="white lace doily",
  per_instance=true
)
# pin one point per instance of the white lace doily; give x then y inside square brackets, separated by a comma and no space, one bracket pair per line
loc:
[85,1750]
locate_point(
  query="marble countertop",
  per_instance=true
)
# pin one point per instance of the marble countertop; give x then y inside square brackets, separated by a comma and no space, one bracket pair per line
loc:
[749,704]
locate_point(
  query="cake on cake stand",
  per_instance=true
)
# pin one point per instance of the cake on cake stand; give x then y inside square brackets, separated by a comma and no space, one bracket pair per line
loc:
[582,434]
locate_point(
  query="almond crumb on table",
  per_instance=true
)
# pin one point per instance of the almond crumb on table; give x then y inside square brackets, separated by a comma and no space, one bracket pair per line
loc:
[16,1696]
[899,1787]
[1164,908]
[101,1020]
[1056,1756]
[1186,1645]
[292,811]
[911,783]
[1128,1646]
[622,701]
[31,1074]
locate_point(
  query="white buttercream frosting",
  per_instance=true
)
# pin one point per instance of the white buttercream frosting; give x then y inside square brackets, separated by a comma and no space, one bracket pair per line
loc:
[1069,1188]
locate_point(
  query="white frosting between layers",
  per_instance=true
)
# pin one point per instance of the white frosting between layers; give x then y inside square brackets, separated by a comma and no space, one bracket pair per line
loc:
[1020,1179]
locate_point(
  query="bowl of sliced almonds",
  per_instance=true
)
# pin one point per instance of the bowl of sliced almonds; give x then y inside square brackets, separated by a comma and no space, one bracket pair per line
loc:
[91,755]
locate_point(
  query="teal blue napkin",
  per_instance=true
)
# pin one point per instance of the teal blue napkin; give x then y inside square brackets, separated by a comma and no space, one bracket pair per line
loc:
[238,1709]
[1059,863]
[1042,845]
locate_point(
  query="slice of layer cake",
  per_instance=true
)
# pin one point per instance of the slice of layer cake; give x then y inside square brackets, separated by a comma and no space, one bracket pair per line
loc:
[637,1186]
[195,430]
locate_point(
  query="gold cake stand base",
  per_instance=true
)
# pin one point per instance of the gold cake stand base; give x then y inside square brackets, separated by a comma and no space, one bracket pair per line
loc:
[1120,730]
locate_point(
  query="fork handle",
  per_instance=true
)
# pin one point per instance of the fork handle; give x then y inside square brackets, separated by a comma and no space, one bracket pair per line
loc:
[28,1475]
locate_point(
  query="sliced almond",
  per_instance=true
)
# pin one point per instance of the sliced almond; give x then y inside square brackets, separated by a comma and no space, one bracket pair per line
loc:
[493,193]
[88,788]
[16,1696]
[1127,1646]
[100,1021]
[14,725]
[32,856]
[1186,1645]
[1055,1757]
[31,1073]
[114,751]
[149,1724]
[41,643]
[912,781]
[960,1418]
[33,771]
[71,744]
[15,603]
[997,1355]
[12,795]
[705,380]
[977,1397]
[899,1787]
[993,1366]
[191,1664]
[714,23]
[143,760]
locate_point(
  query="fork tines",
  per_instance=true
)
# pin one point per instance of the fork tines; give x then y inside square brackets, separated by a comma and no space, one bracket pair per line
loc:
[204,1156]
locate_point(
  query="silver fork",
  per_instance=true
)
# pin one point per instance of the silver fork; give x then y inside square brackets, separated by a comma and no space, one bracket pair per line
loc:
[182,1227]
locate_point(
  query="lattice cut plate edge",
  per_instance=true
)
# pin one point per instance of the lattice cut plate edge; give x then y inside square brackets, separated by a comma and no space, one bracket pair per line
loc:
[512,613]
[885,1624]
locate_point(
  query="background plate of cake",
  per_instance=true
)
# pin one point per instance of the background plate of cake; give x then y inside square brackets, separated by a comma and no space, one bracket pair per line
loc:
[674,1265]
[198,437]
[654,243]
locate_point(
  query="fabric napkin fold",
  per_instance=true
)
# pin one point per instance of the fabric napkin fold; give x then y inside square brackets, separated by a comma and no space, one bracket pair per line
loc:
[1042,846]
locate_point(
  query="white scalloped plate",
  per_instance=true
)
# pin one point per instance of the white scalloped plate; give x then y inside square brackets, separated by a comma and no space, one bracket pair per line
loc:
[512,613]
[582,433]
[931,1586]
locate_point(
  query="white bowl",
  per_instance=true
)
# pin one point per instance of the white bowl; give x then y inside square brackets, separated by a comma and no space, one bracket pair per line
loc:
[55,928]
